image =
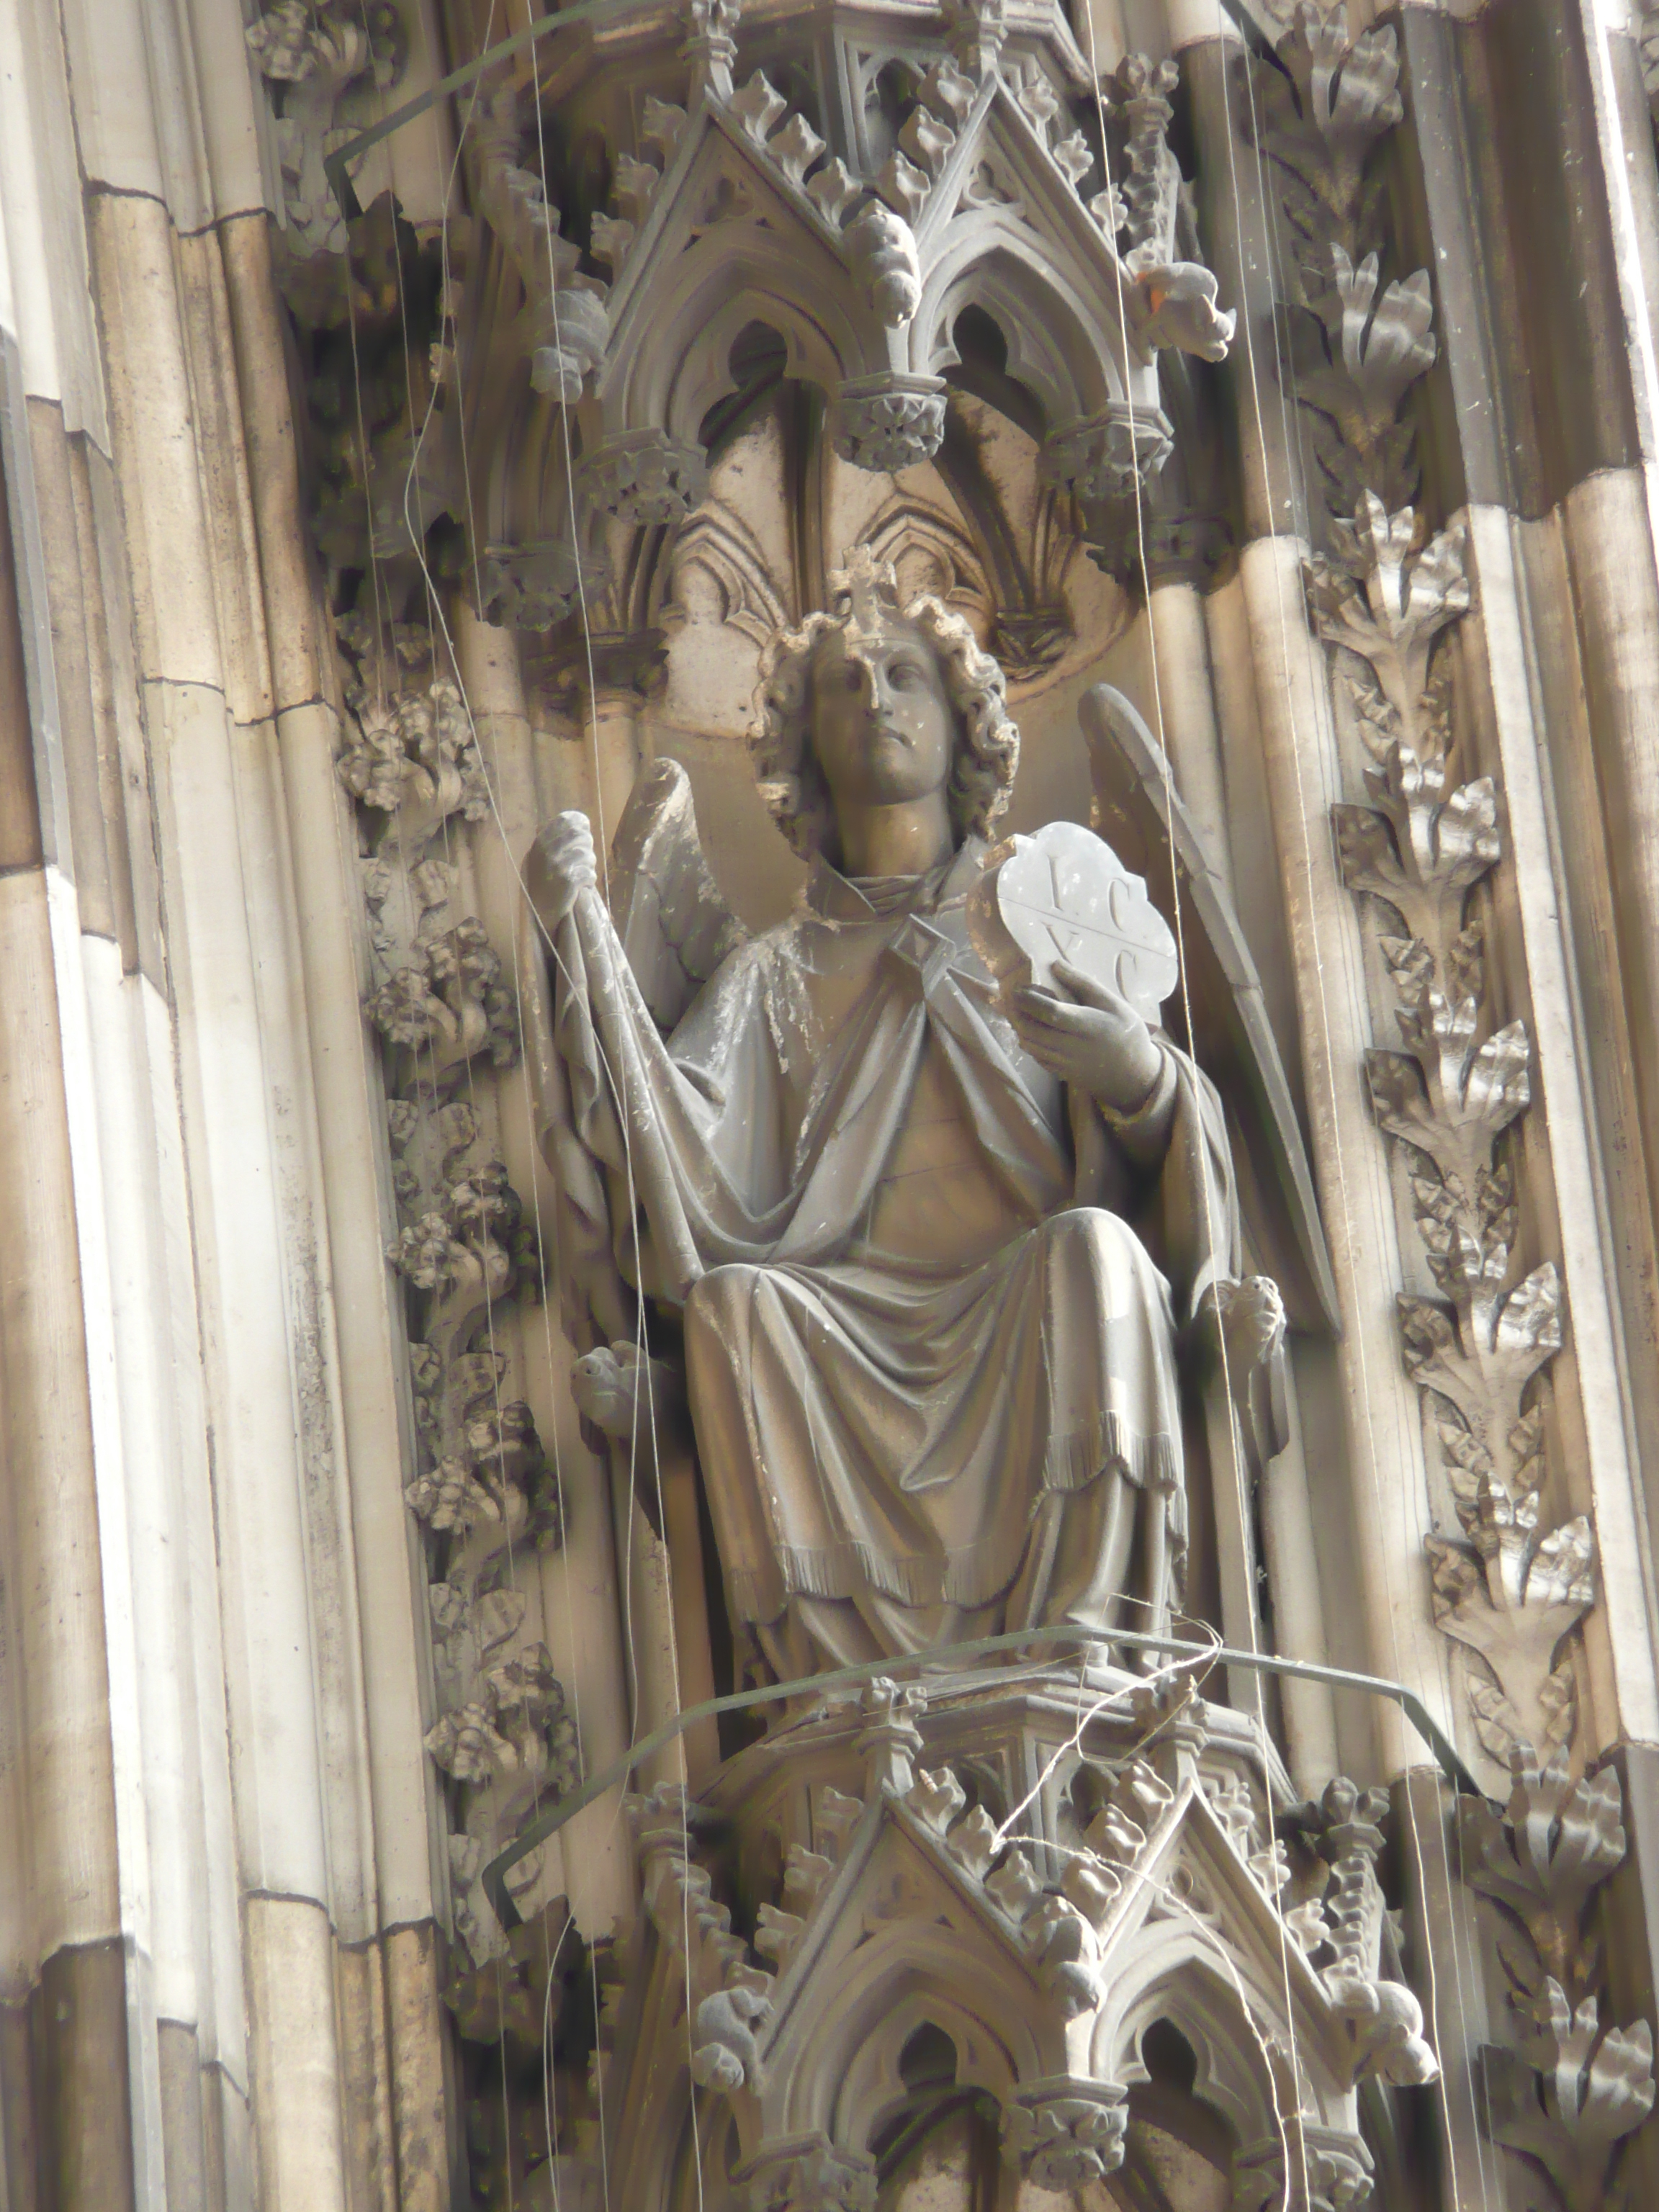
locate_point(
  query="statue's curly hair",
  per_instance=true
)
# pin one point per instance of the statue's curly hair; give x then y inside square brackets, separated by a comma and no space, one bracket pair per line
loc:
[780,738]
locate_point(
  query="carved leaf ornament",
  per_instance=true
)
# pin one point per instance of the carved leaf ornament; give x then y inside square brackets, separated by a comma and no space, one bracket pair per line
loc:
[482,1489]
[1572,2089]
[1506,1588]
[1568,2090]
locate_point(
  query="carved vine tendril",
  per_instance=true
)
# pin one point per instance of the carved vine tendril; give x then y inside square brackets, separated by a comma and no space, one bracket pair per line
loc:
[484,1489]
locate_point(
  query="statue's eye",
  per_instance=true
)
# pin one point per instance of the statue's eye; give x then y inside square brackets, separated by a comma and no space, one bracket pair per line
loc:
[903,673]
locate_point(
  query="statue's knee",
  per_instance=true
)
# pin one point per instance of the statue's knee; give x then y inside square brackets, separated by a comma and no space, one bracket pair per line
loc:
[716,1302]
[1084,1226]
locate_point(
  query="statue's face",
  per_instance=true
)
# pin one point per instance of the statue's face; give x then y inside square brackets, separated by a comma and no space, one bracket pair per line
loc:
[884,729]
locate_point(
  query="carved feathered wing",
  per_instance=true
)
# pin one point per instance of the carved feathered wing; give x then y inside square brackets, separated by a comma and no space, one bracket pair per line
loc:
[675,927]
[1140,815]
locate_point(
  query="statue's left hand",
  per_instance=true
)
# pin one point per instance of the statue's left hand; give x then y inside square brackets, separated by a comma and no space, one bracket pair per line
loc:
[559,863]
[1091,1038]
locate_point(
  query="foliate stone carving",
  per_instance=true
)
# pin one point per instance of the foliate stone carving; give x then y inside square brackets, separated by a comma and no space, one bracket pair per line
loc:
[1102,456]
[1064,2134]
[643,478]
[1510,1590]
[313,56]
[808,2175]
[411,755]
[446,1004]
[1358,344]
[1506,1590]
[1569,2089]
[374,335]
[482,1489]
[758,107]
[889,422]
[1308,2169]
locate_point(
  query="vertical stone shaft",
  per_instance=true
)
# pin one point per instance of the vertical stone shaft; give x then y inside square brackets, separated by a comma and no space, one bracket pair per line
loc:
[1387,1500]
[64,2109]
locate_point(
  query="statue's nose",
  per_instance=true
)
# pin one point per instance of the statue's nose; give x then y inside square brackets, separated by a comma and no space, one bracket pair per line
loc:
[870,688]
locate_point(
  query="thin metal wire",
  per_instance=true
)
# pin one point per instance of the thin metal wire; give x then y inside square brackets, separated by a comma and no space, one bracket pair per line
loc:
[1240,1484]
[565,1808]
[1014,1640]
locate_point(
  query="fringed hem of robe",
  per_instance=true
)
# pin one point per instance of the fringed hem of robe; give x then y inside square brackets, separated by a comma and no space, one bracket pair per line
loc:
[976,1574]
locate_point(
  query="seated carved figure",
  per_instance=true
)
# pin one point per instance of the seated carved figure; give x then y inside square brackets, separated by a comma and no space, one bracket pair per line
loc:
[931,1245]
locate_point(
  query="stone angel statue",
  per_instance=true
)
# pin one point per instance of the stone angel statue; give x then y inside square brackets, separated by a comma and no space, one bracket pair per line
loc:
[926,1248]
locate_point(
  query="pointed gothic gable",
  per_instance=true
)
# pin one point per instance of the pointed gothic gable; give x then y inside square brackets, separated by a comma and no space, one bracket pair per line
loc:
[1043,1961]
[732,208]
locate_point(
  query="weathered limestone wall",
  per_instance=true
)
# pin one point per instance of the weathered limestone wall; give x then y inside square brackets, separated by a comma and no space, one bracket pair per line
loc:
[221,1964]
[227,1875]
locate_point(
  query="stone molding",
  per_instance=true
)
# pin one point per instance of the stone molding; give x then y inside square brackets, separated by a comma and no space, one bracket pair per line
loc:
[1506,1588]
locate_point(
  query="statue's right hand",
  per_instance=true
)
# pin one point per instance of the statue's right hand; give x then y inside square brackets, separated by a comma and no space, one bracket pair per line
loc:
[560,863]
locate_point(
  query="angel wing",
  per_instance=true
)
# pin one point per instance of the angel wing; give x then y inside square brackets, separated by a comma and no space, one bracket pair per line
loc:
[1141,817]
[674,925]
[675,929]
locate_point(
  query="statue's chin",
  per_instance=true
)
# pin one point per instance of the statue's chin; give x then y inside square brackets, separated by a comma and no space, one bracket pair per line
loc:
[890,776]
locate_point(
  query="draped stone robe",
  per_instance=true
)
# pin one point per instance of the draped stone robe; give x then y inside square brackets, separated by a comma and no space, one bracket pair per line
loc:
[930,1298]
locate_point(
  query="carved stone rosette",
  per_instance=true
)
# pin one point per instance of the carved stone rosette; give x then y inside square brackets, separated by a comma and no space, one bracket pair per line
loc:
[1506,1588]
[1063,2134]
[643,478]
[1103,457]
[890,423]
[1308,2170]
